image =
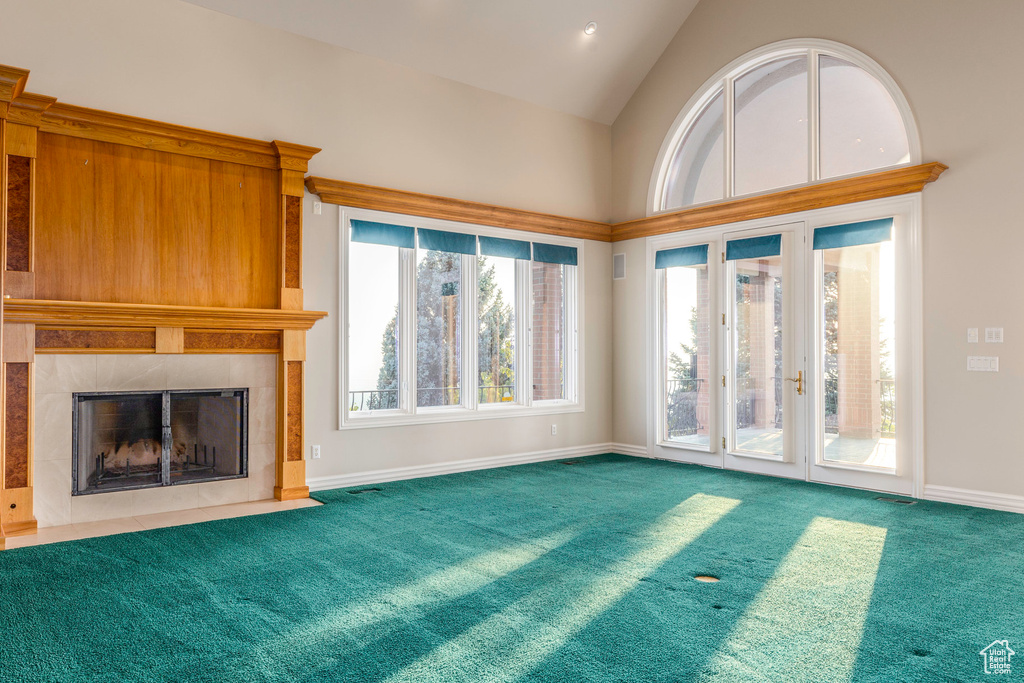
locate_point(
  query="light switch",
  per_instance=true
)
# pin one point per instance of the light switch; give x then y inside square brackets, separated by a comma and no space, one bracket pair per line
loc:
[983,363]
[993,335]
[972,335]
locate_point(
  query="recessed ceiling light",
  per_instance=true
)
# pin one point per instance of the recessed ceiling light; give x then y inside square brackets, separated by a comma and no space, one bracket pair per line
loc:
[591,28]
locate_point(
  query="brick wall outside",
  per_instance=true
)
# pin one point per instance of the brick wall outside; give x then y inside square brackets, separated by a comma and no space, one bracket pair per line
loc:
[859,405]
[548,331]
[760,312]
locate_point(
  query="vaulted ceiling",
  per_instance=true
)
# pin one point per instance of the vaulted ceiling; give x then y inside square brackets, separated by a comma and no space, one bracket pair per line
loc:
[533,50]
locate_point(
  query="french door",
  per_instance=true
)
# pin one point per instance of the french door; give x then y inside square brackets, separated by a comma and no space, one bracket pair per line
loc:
[787,348]
[763,351]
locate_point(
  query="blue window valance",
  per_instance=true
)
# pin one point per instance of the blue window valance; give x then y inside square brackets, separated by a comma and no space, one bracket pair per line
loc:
[497,246]
[554,253]
[370,232]
[753,247]
[853,234]
[683,256]
[454,242]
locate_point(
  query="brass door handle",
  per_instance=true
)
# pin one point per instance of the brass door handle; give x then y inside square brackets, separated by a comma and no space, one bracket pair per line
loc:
[799,379]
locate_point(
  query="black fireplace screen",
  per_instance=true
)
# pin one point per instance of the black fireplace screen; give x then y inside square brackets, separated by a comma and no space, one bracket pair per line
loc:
[131,440]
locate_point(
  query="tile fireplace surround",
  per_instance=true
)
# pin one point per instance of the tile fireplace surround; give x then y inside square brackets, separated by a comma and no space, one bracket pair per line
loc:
[60,375]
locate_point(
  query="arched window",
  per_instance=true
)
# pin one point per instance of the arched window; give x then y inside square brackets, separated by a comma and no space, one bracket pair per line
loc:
[787,114]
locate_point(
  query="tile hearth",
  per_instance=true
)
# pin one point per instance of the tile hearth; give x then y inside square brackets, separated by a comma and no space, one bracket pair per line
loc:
[108,527]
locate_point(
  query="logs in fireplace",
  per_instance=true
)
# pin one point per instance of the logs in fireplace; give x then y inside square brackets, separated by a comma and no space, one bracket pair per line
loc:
[131,440]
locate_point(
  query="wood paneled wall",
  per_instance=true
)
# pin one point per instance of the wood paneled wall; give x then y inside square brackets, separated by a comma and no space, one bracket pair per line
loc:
[128,225]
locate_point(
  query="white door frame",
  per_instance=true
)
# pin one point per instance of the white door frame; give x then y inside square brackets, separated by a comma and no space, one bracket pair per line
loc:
[792,463]
[909,370]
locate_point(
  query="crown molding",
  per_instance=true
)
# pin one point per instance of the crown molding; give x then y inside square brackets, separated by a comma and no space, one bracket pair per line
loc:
[430,206]
[819,195]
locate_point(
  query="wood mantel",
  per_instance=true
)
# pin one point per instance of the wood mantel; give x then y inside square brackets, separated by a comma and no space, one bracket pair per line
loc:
[91,314]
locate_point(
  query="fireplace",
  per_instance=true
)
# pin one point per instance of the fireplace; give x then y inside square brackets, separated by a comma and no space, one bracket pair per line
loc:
[133,440]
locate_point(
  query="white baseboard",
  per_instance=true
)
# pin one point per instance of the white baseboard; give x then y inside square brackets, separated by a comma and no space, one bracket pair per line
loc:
[417,471]
[627,449]
[980,499]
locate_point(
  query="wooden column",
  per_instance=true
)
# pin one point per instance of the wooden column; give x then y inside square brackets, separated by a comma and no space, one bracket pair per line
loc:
[15,471]
[291,375]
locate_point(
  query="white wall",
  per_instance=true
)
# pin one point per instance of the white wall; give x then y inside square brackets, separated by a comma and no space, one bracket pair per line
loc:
[958,64]
[378,124]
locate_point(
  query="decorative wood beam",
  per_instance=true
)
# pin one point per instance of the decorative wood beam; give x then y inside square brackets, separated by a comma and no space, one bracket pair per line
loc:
[832,193]
[431,206]
[89,314]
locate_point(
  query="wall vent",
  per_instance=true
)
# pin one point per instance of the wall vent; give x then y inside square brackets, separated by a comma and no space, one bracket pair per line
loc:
[898,501]
[618,266]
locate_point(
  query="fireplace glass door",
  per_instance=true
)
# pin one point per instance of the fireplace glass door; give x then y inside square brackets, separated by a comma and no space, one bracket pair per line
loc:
[130,440]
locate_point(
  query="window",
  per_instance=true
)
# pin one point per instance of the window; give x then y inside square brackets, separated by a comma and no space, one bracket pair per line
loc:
[687,345]
[757,345]
[446,321]
[784,115]
[496,336]
[858,294]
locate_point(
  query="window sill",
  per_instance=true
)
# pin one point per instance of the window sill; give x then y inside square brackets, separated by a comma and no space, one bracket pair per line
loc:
[435,416]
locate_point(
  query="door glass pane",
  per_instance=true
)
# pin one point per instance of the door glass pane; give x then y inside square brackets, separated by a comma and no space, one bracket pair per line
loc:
[757,359]
[771,126]
[860,367]
[438,328]
[373,327]
[687,356]
[496,299]
[696,172]
[548,331]
[861,127]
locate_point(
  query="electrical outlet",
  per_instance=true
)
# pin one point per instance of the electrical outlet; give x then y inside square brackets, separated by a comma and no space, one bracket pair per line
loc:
[316,452]
[318,208]
[554,430]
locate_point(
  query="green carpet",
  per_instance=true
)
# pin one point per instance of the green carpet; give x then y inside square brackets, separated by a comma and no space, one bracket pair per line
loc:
[546,572]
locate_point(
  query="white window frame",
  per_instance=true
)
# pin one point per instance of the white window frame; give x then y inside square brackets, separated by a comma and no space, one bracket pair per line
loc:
[722,82]
[469,408]
[910,340]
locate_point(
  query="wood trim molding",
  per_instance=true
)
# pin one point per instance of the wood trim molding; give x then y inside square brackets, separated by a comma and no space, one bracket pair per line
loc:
[28,108]
[431,206]
[12,82]
[92,124]
[832,193]
[293,157]
[89,314]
